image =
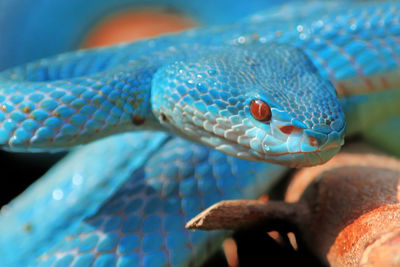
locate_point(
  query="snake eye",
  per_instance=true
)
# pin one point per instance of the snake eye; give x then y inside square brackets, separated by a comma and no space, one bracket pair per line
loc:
[260,110]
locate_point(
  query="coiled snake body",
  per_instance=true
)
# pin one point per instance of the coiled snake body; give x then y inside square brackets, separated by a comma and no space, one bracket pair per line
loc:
[260,89]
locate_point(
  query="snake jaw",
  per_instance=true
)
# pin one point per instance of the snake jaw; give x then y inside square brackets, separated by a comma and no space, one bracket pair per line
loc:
[283,141]
[299,147]
[280,142]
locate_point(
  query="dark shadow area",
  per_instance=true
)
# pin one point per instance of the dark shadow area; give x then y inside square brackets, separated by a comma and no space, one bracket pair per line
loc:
[255,247]
[19,170]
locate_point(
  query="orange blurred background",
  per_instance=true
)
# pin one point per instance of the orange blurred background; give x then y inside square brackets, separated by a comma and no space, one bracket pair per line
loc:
[133,25]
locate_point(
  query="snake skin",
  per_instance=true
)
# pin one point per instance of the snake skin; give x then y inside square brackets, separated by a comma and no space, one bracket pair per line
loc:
[356,50]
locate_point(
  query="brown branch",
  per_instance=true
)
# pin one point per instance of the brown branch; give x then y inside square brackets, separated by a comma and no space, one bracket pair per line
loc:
[235,214]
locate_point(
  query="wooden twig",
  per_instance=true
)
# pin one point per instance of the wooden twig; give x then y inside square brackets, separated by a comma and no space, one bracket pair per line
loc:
[237,214]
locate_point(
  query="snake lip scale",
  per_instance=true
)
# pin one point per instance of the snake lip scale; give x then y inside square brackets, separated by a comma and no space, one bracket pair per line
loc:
[311,152]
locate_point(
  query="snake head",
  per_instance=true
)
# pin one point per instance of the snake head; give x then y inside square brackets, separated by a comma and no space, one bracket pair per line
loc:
[263,102]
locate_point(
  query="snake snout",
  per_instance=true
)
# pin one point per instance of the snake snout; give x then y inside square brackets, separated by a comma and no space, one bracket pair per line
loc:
[298,146]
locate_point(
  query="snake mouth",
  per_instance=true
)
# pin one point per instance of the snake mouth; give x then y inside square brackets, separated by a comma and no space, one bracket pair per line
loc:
[286,144]
[298,147]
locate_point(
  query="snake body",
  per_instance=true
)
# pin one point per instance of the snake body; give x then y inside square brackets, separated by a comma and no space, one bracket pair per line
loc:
[289,58]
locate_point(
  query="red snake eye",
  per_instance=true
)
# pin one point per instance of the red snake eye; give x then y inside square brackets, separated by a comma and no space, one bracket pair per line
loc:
[260,110]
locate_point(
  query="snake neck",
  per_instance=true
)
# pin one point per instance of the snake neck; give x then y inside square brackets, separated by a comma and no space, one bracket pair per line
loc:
[63,105]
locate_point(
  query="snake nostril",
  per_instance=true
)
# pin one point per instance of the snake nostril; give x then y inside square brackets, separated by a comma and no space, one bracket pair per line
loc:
[313,141]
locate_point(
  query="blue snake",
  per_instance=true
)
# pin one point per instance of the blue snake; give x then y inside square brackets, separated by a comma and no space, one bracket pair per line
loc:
[260,89]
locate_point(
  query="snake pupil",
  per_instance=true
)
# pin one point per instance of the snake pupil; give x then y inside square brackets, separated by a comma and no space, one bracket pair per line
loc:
[260,110]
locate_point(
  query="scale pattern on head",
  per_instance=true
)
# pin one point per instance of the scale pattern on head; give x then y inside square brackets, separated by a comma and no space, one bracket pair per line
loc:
[256,101]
